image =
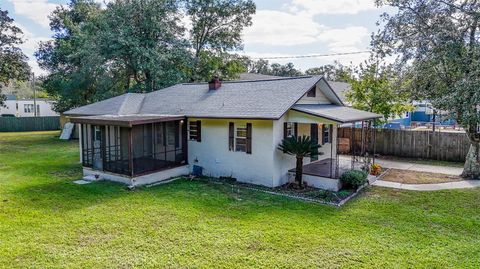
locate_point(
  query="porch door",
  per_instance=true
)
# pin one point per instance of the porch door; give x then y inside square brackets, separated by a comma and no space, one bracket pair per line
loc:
[97,148]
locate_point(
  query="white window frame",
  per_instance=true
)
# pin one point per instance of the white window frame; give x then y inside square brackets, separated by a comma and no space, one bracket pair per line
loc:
[240,128]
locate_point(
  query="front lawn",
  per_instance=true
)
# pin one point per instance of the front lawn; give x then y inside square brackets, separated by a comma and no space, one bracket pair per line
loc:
[47,221]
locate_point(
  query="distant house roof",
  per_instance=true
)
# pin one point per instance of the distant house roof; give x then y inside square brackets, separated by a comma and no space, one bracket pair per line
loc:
[341,114]
[251,99]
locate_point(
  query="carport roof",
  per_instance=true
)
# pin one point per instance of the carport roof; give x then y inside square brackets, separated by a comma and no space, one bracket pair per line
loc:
[341,114]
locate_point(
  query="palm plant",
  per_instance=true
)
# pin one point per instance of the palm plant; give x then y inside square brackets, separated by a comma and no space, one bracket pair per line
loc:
[300,147]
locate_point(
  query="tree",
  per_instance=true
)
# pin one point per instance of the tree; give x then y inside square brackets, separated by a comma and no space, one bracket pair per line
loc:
[71,57]
[373,89]
[300,147]
[438,46]
[217,27]
[263,67]
[131,46]
[335,72]
[13,63]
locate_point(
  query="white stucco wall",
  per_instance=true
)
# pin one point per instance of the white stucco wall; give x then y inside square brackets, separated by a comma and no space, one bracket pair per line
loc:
[214,156]
[46,108]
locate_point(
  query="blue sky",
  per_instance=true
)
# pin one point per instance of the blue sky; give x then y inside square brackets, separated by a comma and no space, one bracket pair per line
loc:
[280,28]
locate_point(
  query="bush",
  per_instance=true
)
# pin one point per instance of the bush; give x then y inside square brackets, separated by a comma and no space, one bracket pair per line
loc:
[353,179]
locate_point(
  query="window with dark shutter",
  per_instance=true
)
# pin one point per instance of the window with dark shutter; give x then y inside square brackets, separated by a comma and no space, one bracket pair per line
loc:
[231,136]
[312,92]
[195,131]
[249,138]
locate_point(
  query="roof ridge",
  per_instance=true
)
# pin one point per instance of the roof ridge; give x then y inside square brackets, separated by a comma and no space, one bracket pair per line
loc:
[257,80]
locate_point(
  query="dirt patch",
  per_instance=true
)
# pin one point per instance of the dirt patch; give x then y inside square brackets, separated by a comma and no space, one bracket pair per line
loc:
[414,177]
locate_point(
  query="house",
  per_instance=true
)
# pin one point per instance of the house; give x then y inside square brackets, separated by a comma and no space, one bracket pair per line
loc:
[229,129]
[26,107]
[423,114]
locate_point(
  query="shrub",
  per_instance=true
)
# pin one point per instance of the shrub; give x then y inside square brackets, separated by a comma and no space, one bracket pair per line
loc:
[353,179]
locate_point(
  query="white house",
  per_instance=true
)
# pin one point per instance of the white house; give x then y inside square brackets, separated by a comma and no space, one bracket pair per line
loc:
[230,129]
[26,107]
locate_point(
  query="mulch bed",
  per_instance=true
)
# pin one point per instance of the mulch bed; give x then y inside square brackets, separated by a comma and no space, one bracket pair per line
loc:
[414,177]
[307,193]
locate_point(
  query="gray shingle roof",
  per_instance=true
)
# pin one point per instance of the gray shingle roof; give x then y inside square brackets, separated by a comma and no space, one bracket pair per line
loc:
[125,104]
[263,99]
[341,114]
[340,88]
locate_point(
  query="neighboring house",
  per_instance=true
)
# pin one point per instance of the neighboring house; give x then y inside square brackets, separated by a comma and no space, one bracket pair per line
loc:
[230,129]
[423,113]
[26,107]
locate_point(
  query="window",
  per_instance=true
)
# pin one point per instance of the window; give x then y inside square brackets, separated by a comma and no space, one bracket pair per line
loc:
[290,129]
[38,110]
[28,108]
[312,92]
[326,129]
[240,137]
[195,131]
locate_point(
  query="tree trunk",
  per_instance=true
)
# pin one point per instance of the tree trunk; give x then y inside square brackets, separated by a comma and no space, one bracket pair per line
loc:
[472,162]
[299,171]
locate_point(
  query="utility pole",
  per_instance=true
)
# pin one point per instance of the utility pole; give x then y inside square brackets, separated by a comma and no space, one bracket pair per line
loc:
[34,95]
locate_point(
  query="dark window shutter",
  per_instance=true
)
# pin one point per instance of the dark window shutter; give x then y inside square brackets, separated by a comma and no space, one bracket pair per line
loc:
[314,132]
[330,136]
[295,129]
[199,131]
[314,137]
[231,136]
[285,127]
[249,138]
[323,134]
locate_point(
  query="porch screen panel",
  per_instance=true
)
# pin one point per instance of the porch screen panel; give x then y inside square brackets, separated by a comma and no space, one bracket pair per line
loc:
[157,146]
[116,147]
[87,159]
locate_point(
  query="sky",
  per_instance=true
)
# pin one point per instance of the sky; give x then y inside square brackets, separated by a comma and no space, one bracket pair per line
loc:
[281,28]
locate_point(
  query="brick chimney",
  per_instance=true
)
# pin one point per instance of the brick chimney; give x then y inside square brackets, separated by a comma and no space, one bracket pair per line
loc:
[214,84]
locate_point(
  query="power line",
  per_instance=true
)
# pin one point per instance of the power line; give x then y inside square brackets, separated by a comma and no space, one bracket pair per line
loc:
[312,55]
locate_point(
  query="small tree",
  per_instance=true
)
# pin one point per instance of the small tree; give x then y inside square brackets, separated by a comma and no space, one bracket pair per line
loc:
[300,147]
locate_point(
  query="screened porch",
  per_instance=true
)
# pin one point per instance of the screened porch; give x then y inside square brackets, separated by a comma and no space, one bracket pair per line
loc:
[132,145]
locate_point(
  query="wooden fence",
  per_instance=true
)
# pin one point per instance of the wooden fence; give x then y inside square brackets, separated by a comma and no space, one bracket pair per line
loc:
[28,124]
[441,146]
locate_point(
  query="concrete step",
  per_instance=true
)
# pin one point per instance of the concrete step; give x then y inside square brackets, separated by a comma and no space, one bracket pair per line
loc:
[90,178]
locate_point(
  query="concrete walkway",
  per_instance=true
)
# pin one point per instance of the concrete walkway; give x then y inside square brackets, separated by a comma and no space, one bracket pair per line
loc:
[403,165]
[464,184]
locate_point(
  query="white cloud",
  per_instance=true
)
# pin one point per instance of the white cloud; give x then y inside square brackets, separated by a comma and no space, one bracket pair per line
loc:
[36,10]
[332,6]
[338,39]
[30,45]
[281,28]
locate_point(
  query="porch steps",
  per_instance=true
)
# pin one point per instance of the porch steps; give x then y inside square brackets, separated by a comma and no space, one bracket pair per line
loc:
[90,178]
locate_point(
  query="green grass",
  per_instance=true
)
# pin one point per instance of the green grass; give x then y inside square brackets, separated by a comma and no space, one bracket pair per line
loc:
[47,221]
